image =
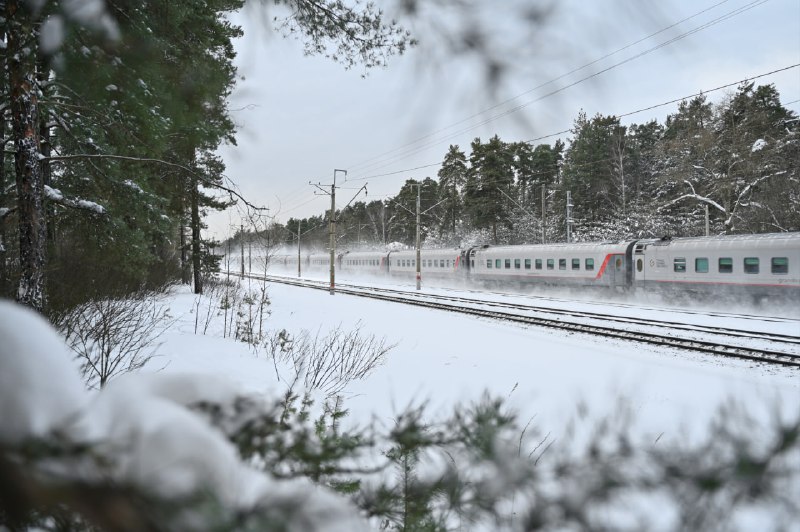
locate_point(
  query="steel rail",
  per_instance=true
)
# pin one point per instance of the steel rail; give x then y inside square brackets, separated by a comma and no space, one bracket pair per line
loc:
[791,359]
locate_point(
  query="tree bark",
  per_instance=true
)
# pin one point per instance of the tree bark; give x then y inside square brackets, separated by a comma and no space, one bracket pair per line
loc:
[196,262]
[3,244]
[46,150]
[29,181]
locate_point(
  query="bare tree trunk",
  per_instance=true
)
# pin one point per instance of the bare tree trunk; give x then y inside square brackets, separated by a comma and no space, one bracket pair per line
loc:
[29,181]
[3,250]
[3,244]
[198,279]
[186,276]
[45,149]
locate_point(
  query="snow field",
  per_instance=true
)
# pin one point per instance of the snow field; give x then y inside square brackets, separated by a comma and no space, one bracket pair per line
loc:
[444,359]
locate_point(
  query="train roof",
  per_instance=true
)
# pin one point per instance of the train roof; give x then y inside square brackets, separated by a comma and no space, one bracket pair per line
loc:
[765,240]
[561,246]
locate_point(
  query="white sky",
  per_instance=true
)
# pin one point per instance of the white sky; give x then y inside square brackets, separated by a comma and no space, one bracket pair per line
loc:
[301,117]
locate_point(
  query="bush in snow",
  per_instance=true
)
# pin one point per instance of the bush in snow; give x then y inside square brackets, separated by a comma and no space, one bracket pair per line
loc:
[114,336]
[327,363]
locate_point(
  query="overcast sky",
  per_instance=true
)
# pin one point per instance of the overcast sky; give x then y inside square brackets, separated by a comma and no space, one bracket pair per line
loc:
[302,117]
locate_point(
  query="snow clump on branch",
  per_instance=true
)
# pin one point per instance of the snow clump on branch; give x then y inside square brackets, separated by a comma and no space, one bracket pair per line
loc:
[144,430]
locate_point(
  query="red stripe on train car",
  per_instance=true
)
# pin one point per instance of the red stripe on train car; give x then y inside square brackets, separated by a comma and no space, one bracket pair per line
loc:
[603,266]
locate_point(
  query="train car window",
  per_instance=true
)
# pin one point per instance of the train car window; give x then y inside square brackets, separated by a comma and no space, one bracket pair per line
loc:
[562,264]
[679,264]
[726,265]
[589,264]
[517,264]
[527,264]
[414,262]
[780,264]
[498,263]
[576,264]
[551,264]
[508,264]
[751,265]
[489,263]
[538,264]
[701,265]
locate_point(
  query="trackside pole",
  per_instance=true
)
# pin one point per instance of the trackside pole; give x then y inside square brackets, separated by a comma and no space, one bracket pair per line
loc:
[299,224]
[419,264]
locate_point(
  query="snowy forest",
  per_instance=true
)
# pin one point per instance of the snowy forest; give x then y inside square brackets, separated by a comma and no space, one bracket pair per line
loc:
[111,116]
[738,157]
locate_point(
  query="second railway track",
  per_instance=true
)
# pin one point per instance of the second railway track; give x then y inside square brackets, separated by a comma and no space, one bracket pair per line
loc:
[782,349]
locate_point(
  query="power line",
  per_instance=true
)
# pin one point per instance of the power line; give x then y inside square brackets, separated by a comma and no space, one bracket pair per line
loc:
[648,108]
[520,95]
[381,164]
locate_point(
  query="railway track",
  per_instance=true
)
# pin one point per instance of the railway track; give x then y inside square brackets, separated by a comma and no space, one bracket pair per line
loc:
[772,348]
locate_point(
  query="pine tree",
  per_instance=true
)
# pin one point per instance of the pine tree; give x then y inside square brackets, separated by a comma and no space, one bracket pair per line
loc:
[489,184]
[452,178]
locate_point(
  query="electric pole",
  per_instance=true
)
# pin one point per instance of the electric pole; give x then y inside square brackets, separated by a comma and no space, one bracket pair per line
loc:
[299,222]
[332,232]
[419,262]
[241,245]
[569,216]
[332,225]
[544,214]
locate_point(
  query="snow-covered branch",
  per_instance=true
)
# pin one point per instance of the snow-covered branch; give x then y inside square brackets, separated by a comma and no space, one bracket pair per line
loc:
[698,197]
[204,180]
[55,195]
[5,211]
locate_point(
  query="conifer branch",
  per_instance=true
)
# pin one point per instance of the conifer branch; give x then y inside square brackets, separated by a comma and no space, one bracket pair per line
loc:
[204,180]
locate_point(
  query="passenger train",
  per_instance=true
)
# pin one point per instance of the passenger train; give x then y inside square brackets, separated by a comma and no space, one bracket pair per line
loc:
[761,266]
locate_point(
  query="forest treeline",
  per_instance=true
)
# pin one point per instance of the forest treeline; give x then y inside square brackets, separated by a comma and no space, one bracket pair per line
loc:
[110,121]
[111,114]
[738,157]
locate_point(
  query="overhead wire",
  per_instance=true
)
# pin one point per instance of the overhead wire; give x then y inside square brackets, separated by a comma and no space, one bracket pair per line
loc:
[520,95]
[722,18]
[629,113]
[405,154]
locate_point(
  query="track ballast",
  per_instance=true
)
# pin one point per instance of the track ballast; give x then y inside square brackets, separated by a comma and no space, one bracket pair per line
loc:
[775,349]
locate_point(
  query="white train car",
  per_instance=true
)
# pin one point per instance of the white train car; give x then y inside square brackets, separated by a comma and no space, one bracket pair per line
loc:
[367,262]
[319,261]
[554,264]
[283,261]
[766,265]
[434,263]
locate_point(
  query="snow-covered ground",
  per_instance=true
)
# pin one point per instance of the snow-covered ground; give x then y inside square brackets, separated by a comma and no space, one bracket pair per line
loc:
[442,359]
[565,384]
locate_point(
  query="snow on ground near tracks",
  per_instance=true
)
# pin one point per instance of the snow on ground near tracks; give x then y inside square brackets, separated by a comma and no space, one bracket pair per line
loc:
[444,359]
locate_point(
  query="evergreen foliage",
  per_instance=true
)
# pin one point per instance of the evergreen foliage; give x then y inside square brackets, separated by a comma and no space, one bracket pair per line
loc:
[738,157]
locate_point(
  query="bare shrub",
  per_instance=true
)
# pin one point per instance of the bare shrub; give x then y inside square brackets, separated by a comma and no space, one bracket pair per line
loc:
[114,336]
[328,363]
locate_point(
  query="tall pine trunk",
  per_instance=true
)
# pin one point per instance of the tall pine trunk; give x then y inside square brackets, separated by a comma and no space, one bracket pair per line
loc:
[3,243]
[198,279]
[29,179]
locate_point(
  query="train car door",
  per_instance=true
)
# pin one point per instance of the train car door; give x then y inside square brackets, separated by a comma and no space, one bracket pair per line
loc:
[618,271]
[639,265]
